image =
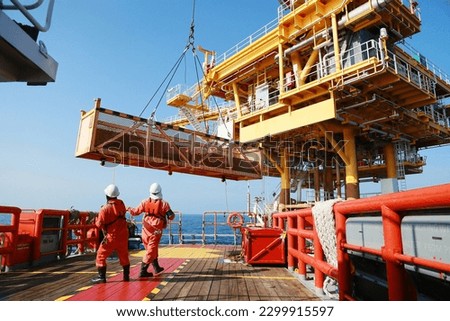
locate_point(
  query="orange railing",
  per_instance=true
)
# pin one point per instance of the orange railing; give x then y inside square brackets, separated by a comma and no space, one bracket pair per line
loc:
[48,229]
[391,209]
[301,239]
[82,232]
[8,234]
[35,236]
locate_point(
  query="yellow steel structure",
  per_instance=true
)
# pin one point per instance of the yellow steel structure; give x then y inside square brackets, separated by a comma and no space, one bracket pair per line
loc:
[327,91]
[330,80]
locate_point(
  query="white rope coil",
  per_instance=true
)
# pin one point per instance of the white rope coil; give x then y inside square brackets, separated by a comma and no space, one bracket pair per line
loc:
[326,230]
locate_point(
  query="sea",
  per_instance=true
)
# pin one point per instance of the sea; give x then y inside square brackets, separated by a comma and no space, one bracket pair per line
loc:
[209,228]
[200,229]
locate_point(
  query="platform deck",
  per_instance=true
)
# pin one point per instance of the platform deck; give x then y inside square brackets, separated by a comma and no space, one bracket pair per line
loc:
[192,272]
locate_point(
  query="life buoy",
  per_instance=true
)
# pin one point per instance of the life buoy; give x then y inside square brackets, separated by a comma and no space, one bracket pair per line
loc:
[235,220]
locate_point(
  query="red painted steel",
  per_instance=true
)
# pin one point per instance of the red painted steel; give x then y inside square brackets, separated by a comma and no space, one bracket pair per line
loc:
[28,239]
[300,227]
[32,222]
[85,231]
[392,245]
[392,208]
[23,250]
[9,235]
[344,263]
[390,205]
[291,240]
[364,249]
[263,245]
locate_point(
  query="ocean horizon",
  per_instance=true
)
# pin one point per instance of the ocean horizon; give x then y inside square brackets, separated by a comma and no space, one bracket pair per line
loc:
[190,228]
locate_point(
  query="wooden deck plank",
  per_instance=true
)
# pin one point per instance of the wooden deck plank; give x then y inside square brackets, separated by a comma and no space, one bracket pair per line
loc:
[217,272]
[191,273]
[250,286]
[135,290]
[47,281]
[182,282]
[176,287]
[228,284]
[194,281]
[202,291]
[191,281]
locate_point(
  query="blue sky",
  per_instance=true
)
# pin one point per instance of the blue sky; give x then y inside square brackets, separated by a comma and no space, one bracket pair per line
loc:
[120,51]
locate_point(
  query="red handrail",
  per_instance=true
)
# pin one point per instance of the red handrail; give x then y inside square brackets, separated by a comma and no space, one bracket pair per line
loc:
[41,238]
[80,227]
[300,229]
[392,208]
[10,234]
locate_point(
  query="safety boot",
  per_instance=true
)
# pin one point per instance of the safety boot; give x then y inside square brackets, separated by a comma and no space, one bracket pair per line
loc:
[144,273]
[158,269]
[101,277]
[126,273]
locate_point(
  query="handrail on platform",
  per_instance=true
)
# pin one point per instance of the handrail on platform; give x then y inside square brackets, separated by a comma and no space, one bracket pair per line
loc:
[39,230]
[8,234]
[24,9]
[82,232]
[34,236]
[304,248]
[210,221]
[392,208]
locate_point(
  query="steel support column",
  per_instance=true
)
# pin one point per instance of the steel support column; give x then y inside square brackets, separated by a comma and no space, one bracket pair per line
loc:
[285,192]
[391,163]
[351,168]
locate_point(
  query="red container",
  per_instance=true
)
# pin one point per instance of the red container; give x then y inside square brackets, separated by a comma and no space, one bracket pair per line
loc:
[23,253]
[263,245]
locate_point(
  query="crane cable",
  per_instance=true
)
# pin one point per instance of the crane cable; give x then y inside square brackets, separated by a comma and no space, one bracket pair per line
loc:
[190,45]
[171,73]
[214,98]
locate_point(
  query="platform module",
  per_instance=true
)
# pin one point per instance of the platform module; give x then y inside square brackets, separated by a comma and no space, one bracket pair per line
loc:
[332,93]
[109,136]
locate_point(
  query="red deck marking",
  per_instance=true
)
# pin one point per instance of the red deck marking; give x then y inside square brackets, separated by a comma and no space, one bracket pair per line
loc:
[135,290]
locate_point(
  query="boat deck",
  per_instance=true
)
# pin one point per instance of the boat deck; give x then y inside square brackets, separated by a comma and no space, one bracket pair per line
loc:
[192,272]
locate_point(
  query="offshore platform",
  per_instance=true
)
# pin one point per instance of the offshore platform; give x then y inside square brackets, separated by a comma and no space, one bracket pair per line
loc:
[325,96]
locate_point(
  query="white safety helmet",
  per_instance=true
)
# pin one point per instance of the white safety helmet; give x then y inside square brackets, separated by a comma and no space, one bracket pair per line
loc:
[155,191]
[112,190]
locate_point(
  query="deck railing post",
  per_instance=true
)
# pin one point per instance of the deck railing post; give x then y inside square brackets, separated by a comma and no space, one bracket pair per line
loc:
[10,236]
[319,276]
[344,264]
[291,227]
[83,223]
[301,246]
[399,286]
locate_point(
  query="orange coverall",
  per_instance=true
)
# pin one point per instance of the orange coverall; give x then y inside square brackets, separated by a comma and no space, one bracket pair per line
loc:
[153,223]
[111,219]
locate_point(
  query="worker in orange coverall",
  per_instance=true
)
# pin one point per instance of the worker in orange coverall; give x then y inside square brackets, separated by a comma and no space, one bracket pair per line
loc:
[157,212]
[111,219]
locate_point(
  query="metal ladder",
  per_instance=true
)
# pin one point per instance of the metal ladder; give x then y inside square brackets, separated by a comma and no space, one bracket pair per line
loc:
[192,119]
[401,150]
